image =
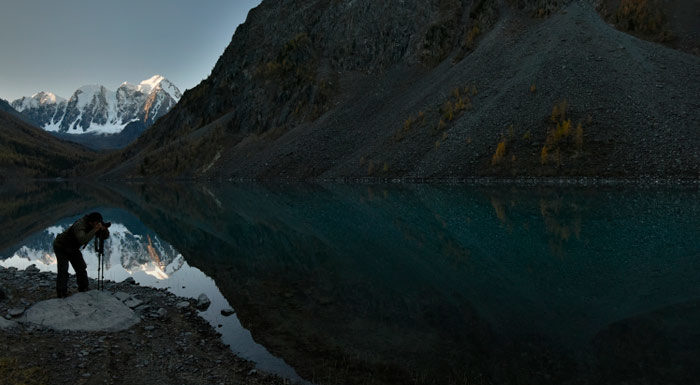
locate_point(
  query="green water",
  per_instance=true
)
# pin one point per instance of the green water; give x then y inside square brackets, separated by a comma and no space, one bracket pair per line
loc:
[400,284]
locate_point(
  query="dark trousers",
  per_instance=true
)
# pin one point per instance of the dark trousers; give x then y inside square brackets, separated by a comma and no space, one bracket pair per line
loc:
[64,256]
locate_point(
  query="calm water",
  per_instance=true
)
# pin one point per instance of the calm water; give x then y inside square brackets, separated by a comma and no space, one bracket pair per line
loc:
[348,284]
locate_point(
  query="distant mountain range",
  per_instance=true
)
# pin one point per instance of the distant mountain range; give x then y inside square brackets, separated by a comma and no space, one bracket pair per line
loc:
[96,116]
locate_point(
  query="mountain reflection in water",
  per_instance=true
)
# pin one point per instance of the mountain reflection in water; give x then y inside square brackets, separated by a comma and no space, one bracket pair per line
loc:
[432,284]
[136,251]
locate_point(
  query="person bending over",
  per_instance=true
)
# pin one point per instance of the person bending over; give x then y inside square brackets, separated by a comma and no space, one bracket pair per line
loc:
[67,248]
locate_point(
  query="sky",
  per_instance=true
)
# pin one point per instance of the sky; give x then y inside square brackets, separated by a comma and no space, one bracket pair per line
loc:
[59,46]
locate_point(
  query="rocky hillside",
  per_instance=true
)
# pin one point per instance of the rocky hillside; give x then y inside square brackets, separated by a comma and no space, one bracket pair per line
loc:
[29,152]
[437,89]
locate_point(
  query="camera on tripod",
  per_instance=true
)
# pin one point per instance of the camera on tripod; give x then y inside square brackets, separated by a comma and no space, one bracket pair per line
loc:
[100,237]
[103,233]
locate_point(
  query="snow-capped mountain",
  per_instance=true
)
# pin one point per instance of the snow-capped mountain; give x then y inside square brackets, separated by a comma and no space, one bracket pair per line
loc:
[95,109]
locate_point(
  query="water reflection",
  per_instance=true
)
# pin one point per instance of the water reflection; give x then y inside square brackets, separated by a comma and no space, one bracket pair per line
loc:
[441,285]
[136,251]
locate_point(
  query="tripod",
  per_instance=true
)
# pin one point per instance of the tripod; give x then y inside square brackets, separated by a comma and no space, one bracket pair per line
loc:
[100,250]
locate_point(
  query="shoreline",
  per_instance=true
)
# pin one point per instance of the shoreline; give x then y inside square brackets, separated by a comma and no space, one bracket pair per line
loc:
[525,181]
[171,345]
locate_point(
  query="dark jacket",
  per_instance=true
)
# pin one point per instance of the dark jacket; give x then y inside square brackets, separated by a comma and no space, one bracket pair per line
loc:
[76,236]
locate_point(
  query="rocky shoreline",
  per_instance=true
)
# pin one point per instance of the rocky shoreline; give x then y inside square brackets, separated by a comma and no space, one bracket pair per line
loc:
[171,344]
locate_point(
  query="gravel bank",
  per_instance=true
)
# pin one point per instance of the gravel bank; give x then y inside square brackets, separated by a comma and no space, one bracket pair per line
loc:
[171,344]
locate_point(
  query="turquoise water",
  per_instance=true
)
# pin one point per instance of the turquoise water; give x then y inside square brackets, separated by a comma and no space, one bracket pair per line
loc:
[400,284]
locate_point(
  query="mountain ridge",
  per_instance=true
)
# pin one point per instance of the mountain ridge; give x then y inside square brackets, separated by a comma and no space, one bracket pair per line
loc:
[457,89]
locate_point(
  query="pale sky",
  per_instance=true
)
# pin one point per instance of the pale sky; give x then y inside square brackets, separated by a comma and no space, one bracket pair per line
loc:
[58,46]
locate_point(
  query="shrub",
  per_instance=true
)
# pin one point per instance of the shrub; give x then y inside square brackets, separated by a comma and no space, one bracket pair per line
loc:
[544,154]
[500,152]
[407,124]
[579,137]
[448,112]
[559,111]
[441,125]
[644,16]
[470,41]
[560,137]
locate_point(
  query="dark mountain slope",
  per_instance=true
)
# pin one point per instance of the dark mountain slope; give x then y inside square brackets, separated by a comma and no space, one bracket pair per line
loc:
[438,89]
[30,152]
[6,107]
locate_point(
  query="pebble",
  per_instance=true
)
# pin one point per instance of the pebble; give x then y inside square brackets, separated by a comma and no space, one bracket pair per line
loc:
[133,302]
[16,312]
[203,302]
[227,312]
[122,296]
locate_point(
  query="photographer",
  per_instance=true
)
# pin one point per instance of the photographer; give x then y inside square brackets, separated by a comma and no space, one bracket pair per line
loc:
[67,248]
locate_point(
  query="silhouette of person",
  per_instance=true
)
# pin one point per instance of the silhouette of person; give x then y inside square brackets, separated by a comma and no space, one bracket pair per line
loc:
[67,248]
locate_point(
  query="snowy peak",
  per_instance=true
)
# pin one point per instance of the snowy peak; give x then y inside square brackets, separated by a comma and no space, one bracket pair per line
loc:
[150,84]
[154,84]
[47,98]
[96,109]
[37,100]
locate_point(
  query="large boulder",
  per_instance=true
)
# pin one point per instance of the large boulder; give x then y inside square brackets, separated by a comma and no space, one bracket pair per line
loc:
[89,311]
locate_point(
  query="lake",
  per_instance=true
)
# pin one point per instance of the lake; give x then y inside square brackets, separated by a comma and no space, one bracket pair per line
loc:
[406,284]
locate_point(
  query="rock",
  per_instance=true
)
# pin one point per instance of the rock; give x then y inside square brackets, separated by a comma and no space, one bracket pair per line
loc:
[89,311]
[133,302]
[16,312]
[130,280]
[162,313]
[3,293]
[227,312]
[32,269]
[183,304]
[120,295]
[253,372]
[203,302]
[7,324]
[149,328]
